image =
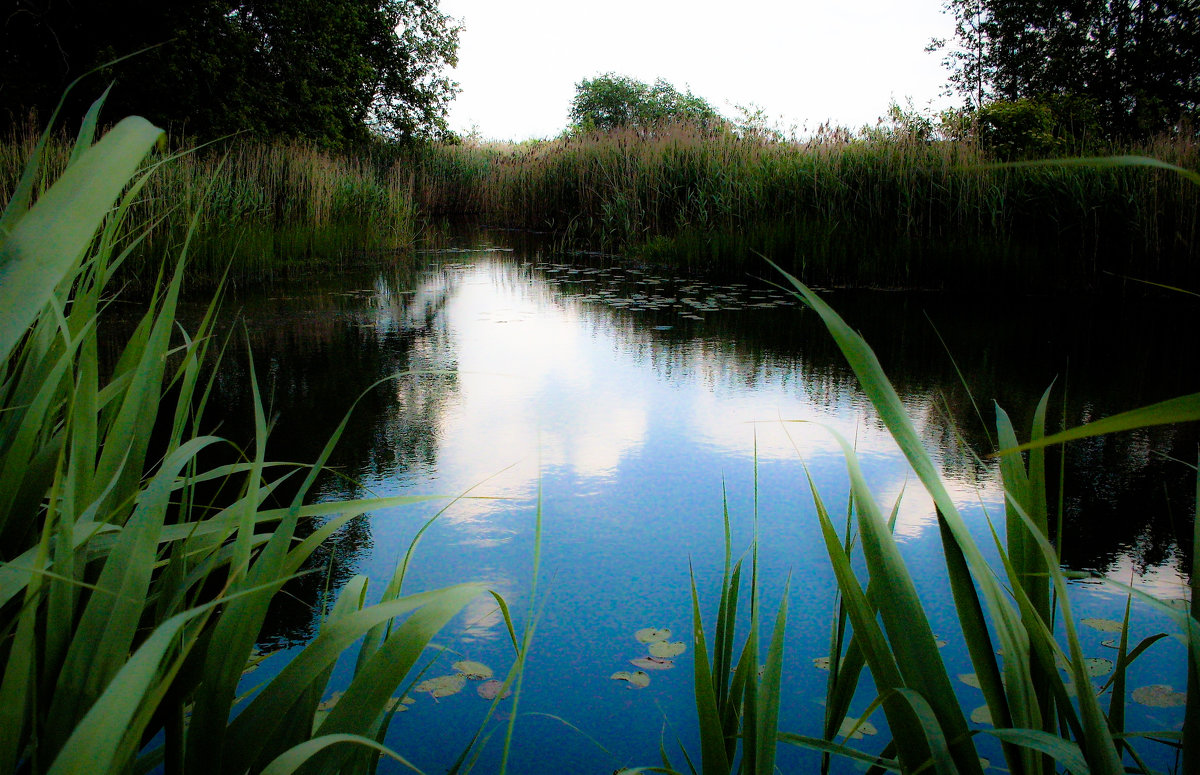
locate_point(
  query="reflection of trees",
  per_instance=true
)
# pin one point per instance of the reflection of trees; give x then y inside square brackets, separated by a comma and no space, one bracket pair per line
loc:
[1120,492]
[315,351]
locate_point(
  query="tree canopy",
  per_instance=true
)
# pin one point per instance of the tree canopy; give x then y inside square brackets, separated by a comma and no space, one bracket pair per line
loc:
[329,70]
[1136,62]
[609,101]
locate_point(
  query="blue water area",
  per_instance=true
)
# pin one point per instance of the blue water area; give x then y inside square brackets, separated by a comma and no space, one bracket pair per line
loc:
[630,411]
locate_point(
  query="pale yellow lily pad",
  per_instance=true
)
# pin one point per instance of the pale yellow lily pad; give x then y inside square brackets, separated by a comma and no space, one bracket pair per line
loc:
[652,634]
[982,715]
[652,663]
[475,671]
[855,729]
[1097,666]
[821,663]
[1159,696]
[664,650]
[1103,625]
[970,679]
[443,686]
[636,680]
[489,690]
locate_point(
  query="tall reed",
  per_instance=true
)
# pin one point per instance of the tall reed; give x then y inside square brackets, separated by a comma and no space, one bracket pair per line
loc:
[882,209]
[260,209]
[135,577]
[1041,722]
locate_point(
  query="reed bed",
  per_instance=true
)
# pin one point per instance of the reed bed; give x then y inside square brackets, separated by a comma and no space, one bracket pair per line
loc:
[259,209]
[883,209]
[135,574]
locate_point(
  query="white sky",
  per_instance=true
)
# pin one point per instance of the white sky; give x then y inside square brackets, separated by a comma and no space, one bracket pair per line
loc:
[804,61]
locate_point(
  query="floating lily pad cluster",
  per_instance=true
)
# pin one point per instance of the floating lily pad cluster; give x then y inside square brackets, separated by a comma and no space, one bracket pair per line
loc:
[466,670]
[1154,695]
[661,655]
[326,706]
[633,290]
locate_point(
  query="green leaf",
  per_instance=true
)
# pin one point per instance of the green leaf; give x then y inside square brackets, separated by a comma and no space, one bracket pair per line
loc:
[43,246]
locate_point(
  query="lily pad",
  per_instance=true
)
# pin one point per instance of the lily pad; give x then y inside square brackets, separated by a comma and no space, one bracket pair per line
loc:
[970,679]
[399,704]
[489,690]
[636,680]
[664,650]
[653,663]
[1097,666]
[475,671]
[982,715]
[821,663]
[1103,625]
[443,686]
[1159,696]
[855,729]
[652,635]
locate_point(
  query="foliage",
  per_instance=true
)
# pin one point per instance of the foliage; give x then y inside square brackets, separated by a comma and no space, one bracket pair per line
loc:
[1035,718]
[1016,129]
[327,71]
[885,210]
[971,71]
[135,576]
[1138,62]
[611,101]
[253,210]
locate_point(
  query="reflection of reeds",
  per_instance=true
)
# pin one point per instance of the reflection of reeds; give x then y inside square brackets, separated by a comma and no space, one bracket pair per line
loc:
[885,210]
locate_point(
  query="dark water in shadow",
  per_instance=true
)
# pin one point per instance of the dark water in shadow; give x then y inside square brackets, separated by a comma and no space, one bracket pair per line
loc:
[632,401]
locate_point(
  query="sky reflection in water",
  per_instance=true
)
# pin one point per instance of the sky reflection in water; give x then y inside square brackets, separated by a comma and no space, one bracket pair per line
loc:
[634,417]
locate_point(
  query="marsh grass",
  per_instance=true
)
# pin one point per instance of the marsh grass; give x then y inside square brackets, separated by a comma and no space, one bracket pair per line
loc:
[875,210]
[259,210]
[131,598]
[1041,726]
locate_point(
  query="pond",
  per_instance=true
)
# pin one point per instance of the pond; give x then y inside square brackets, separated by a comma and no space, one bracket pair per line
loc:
[630,408]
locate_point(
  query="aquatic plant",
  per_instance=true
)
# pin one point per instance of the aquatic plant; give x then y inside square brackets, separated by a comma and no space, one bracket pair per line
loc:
[135,576]
[250,209]
[886,210]
[1035,715]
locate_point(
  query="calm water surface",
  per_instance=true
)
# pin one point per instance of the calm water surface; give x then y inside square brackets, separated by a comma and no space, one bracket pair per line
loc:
[634,403]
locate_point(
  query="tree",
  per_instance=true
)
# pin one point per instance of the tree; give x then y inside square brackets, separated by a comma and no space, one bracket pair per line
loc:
[610,101]
[328,70]
[967,61]
[1136,61]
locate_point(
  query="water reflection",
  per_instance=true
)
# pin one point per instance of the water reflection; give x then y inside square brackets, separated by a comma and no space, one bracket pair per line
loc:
[635,402]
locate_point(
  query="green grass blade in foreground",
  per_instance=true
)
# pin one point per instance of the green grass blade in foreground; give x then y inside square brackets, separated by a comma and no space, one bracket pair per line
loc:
[1174,410]
[769,690]
[712,737]
[1097,742]
[1062,751]
[261,718]
[825,746]
[50,237]
[297,756]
